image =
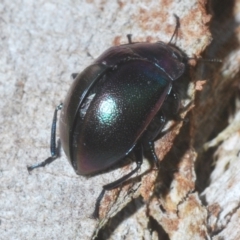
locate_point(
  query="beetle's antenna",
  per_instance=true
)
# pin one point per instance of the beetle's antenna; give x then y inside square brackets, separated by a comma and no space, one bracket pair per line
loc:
[175,33]
[214,60]
[208,60]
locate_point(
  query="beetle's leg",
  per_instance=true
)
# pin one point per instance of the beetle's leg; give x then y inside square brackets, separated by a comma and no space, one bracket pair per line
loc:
[53,149]
[172,106]
[129,37]
[138,151]
[153,154]
[175,103]
[152,134]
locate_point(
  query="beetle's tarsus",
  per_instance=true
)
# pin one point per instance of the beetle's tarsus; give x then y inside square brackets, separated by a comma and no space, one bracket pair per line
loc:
[48,160]
[42,164]
[95,214]
[129,37]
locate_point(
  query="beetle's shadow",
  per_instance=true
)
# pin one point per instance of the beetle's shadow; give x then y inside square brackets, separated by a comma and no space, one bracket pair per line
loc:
[219,87]
[169,165]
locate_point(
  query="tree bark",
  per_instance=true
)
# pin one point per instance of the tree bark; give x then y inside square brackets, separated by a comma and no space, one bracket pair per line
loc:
[195,193]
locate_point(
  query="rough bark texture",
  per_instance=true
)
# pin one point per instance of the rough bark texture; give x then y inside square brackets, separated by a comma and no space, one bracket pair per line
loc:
[195,194]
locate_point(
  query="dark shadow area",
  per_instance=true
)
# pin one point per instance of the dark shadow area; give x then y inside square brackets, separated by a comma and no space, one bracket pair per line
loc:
[127,212]
[155,227]
[212,104]
[169,165]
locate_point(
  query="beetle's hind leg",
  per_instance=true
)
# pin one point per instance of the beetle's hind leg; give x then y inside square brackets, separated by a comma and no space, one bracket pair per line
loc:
[138,151]
[55,150]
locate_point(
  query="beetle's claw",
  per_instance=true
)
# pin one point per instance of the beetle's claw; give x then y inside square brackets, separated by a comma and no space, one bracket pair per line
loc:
[30,168]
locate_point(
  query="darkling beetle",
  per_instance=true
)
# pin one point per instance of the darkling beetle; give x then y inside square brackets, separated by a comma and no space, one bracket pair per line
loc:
[116,107]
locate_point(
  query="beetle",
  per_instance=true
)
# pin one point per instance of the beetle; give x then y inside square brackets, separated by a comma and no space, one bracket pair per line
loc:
[118,106]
